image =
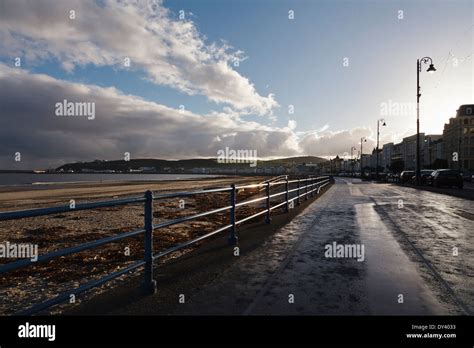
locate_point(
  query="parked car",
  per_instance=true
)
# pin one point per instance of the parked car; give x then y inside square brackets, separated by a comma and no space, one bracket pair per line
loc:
[425,174]
[406,176]
[468,176]
[396,177]
[446,177]
[383,176]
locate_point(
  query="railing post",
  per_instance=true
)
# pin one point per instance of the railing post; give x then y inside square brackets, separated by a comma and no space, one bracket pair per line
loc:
[311,186]
[287,206]
[233,196]
[306,189]
[267,217]
[149,282]
[298,201]
[319,187]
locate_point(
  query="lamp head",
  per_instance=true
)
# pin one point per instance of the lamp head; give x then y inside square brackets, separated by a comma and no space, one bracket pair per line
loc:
[431,69]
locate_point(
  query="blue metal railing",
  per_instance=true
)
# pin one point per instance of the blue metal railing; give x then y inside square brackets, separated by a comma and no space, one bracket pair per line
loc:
[312,185]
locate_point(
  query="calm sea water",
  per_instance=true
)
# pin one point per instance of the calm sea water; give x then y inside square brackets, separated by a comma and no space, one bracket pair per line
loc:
[44,179]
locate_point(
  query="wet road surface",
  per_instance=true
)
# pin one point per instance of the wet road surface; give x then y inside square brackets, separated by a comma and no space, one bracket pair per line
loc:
[418,259]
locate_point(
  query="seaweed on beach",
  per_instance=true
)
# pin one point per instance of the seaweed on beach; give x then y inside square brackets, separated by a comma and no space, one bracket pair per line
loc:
[26,286]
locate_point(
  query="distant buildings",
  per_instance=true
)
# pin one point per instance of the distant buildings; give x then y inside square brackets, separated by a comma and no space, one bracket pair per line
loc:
[388,151]
[396,159]
[433,150]
[405,152]
[147,169]
[365,161]
[453,149]
[458,139]
[408,151]
[373,158]
[230,170]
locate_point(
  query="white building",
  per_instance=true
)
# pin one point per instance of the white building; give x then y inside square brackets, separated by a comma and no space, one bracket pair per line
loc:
[387,152]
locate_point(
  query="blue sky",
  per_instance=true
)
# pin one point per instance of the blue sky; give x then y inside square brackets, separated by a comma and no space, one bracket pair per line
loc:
[299,61]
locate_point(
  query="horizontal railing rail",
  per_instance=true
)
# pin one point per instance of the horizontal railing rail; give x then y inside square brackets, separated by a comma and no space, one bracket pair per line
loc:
[21,214]
[312,186]
[276,178]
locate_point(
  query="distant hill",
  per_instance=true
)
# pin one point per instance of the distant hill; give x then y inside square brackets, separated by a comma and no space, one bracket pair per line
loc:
[121,165]
[294,160]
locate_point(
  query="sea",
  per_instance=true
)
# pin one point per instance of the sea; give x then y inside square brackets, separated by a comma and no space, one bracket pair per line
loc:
[12,179]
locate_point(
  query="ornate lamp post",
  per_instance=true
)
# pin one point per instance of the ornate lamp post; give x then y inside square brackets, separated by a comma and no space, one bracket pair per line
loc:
[431,69]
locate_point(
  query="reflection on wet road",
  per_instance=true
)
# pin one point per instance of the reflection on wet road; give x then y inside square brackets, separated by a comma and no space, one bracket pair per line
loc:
[419,258]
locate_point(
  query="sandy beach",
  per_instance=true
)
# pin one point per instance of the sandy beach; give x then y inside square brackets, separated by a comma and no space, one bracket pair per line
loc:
[24,287]
[34,196]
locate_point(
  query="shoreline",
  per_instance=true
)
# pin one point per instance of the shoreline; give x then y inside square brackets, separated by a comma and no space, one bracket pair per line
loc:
[30,196]
[35,178]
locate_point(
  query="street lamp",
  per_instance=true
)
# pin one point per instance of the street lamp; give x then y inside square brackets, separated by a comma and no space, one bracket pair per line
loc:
[431,69]
[362,140]
[352,159]
[377,152]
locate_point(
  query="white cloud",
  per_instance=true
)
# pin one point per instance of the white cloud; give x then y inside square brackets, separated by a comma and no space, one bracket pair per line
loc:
[170,51]
[292,124]
[324,128]
[127,123]
[328,143]
[123,123]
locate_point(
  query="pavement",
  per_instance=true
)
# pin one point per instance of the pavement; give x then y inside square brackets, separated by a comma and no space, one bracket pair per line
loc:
[417,248]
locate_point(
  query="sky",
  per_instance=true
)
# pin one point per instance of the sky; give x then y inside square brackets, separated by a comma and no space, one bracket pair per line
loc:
[284,78]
